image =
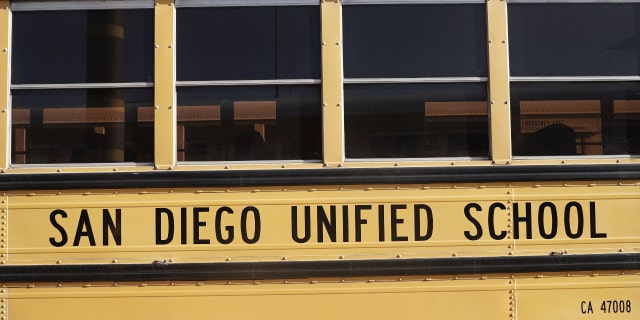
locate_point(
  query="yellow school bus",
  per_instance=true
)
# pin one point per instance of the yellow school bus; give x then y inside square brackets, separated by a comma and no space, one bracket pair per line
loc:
[320,159]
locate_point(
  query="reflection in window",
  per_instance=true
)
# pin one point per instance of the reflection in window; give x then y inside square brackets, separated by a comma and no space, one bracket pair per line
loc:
[413,41]
[249,123]
[554,39]
[248,43]
[82,46]
[572,118]
[71,126]
[416,120]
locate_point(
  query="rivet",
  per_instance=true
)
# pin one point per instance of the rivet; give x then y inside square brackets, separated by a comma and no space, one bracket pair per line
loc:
[156,107]
[339,104]
[338,43]
[323,43]
[156,46]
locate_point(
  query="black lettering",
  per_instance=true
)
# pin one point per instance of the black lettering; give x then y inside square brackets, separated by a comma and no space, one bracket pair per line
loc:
[229,229]
[159,213]
[492,228]
[567,220]
[395,221]
[84,229]
[359,221]
[197,224]
[256,223]
[55,224]
[345,223]
[554,220]
[417,222]
[526,219]
[381,234]
[294,224]
[467,213]
[325,223]
[183,225]
[109,226]
[592,221]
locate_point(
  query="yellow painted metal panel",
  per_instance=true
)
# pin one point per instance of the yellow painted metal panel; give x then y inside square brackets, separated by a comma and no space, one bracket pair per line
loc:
[596,297]
[576,219]
[164,91]
[358,222]
[498,53]
[220,224]
[5,82]
[332,94]
[445,299]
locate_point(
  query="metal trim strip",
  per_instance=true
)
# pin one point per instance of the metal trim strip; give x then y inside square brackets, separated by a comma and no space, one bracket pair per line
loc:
[162,271]
[324,176]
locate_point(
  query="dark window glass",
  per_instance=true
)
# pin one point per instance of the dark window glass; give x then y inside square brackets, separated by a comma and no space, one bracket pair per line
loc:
[248,43]
[81,126]
[574,39]
[249,123]
[416,120]
[403,41]
[94,46]
[575,118]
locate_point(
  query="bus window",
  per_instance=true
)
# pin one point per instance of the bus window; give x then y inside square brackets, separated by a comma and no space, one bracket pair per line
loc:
[54,54]
[236,123]
[228,59]
[416,120]
[415,82]
[586,118]
[61,126]
[571,92]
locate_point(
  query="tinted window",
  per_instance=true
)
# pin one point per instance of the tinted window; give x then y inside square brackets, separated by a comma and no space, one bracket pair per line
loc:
[81,126]
[571,118]
[574,39]
[82,46]
[249,123]
[248,43]
[414,41]
[416,120]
